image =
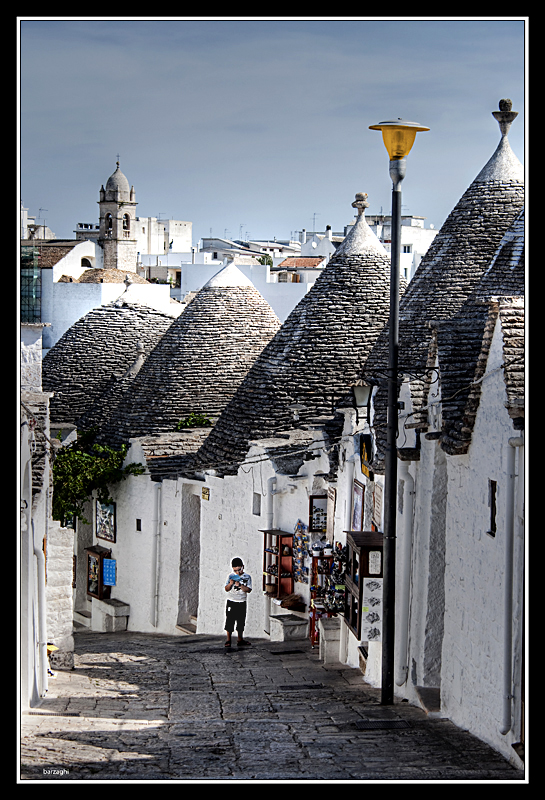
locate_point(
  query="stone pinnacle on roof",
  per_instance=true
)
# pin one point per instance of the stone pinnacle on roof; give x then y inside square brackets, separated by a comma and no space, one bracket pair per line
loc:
[360,237]
[504,165]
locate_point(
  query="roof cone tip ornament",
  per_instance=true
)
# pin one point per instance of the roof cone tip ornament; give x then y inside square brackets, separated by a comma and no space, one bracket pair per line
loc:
[360,203]
[505,116]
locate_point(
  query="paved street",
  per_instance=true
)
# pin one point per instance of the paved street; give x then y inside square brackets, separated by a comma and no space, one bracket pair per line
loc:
[162,708]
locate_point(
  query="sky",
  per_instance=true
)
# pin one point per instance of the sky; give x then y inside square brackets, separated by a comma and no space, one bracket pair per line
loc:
[259,127]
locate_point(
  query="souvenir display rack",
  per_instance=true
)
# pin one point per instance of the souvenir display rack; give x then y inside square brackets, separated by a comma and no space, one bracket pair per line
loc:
[95,572]
[327,589]
[319,586]
[278,562]
[363,558]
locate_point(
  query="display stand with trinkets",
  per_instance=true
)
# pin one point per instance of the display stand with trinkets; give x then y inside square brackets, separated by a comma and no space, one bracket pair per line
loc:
[277,563]
[327,590]
[301,545]
[364,579]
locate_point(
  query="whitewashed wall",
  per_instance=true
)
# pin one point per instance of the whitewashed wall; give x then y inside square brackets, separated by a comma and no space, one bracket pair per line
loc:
[150,554]
[457,587]
[473,644]
[59,594]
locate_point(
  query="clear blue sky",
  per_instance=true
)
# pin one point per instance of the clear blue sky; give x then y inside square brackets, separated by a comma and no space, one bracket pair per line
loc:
[259,126]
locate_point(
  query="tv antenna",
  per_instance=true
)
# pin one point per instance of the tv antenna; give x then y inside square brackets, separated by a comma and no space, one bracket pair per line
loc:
[40,217]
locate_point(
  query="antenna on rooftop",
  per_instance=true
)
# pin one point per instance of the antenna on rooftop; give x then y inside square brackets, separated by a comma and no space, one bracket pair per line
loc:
[40,216]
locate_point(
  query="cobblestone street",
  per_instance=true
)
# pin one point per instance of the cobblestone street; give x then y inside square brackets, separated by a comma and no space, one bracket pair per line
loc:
[158,708]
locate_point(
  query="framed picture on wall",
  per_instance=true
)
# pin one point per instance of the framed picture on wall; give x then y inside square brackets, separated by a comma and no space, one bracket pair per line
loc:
[358,491]
[105,521]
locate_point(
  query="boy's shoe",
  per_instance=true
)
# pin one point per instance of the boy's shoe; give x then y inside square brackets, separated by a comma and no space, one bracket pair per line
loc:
[243,643]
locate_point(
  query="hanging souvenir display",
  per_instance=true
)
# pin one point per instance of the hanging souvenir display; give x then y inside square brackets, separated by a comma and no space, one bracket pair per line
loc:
[301,545]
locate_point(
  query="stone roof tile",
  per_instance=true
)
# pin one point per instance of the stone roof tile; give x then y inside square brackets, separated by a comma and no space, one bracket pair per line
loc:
[197,365]
[103,343]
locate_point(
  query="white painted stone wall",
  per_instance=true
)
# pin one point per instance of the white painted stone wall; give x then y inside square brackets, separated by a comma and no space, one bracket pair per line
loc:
[59,594]
[70,264]
[31,356]
[473,644]
[457,590]
[148,560]
[153,236]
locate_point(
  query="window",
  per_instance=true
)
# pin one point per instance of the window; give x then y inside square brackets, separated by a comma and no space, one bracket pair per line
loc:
[138,524]
[492,492]
[256,504]
[126,222]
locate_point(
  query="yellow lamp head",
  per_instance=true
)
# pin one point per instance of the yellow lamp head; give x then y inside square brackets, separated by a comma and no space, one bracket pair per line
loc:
[398,136]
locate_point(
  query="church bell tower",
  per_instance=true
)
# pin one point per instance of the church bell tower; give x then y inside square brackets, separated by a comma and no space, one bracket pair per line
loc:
[117,228]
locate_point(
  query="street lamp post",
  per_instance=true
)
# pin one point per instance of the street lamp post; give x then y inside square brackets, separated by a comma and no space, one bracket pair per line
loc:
[398,136]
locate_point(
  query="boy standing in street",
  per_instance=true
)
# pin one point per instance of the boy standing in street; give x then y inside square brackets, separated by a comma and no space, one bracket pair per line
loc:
[239,585]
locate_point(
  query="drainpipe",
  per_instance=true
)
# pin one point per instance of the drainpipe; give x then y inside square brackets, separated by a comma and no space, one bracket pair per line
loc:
[155,556]
[408,503]
[513,443]
[42,628]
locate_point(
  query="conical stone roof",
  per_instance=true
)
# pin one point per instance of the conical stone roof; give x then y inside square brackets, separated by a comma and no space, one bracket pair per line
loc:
[315,356]
[450,271]
[462,344]
[105,342]
[198,364]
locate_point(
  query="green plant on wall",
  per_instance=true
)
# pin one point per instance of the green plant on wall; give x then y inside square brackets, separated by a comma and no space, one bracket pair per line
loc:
[194,420]
[83,467]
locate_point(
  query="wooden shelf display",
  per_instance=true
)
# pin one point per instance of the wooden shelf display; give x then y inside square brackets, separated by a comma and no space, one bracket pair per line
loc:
[364,573]
[277,563]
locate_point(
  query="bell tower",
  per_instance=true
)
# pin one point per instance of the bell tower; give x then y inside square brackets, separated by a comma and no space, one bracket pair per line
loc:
[117,226]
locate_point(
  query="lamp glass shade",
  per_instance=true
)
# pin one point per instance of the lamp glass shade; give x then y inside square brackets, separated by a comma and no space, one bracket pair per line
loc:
[361,395]
[398,136]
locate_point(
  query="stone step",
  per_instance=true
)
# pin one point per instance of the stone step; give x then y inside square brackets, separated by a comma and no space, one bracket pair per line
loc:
[430,700]
[189,627]
[82,618]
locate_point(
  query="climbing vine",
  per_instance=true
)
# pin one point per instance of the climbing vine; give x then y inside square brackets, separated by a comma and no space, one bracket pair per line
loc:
[82,467]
